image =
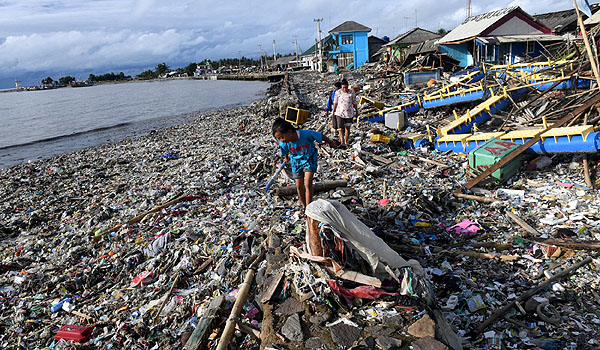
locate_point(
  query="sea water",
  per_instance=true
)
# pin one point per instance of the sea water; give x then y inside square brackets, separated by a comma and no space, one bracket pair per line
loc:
[42,124]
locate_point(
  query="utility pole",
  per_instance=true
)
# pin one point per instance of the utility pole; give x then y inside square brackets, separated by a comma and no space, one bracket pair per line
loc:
[296,41]
[274,52]
[319,44]
[261,55]
[239,62]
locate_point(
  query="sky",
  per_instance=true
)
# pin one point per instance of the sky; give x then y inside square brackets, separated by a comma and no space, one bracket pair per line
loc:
[41,38]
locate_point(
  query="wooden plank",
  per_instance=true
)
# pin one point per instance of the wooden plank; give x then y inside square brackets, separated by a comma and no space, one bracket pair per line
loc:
[591,102]
[200,335]
[355,277]
[522,223]
[272,287]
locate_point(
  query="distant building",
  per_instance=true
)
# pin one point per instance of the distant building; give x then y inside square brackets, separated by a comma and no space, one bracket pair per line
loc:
[398,47]
[351,44]
[311,56]
[564,22]
[375,44]
[499,37]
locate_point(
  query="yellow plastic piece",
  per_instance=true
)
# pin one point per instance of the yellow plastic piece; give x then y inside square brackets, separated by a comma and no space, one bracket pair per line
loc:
[468,117]
[377,104]
[296,115]
[380,138]
[453,138]
[569,132]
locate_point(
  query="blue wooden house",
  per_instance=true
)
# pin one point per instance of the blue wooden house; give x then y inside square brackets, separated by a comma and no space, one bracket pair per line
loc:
[504,36]
[351,48]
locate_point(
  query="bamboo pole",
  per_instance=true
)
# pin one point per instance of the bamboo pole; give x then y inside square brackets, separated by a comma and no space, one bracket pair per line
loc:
[587,44]
[239,303]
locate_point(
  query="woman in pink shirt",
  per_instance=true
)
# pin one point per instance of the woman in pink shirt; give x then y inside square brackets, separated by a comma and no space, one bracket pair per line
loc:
[345,108]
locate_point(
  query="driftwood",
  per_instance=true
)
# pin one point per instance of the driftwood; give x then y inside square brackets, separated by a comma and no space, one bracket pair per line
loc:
[239,302]
[476,198]
[142,216]
[522,223]
[204,265]
[525,296]
[575,245]
[440,250]
[318,187]
[200,335]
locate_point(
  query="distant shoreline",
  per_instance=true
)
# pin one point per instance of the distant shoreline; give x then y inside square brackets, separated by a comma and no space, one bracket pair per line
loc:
[271,77]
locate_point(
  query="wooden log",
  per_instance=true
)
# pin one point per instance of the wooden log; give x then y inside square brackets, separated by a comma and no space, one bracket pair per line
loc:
[531,292]
[239,303]
[204,265]
[440,250]
[318,187]
[522,223]
[575,245]
[476,198]
[591,102]
[200,335]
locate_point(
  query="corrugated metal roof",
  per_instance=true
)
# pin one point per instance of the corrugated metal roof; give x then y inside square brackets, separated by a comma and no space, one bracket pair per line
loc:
[475,25]
[415,35]
[350,26]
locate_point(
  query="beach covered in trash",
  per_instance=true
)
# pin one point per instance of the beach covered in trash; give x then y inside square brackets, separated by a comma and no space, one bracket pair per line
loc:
[170,241]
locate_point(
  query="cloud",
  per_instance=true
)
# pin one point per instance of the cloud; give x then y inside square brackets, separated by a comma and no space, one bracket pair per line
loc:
[70,35]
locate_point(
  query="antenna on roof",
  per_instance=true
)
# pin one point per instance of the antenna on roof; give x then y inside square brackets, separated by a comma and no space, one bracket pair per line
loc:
[469,8]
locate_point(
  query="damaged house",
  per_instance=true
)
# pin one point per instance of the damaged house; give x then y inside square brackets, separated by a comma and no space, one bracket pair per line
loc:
[504,36]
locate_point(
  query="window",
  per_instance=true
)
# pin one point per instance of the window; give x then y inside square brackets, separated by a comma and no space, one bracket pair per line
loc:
[530,46]
[347,39]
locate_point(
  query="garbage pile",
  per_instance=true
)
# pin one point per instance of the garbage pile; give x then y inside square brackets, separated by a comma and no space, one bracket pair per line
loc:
[169,241]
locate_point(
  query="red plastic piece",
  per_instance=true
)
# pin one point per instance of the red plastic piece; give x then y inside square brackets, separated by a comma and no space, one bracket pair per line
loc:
[80,334]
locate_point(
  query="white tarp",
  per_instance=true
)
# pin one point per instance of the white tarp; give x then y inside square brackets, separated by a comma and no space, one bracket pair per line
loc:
[355,233]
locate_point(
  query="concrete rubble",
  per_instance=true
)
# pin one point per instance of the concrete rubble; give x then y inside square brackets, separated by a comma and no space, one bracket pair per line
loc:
[149,240]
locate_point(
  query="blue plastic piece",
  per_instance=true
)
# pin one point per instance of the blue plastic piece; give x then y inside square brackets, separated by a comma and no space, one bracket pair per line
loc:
[567,84]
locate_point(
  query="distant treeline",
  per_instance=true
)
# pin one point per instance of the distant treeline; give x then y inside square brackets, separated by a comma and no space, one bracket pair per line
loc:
[162,69]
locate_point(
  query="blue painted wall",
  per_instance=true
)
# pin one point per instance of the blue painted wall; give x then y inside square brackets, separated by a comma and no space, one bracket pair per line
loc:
[459,52]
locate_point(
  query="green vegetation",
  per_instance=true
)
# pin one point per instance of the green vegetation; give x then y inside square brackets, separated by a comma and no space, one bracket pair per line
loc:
[162,69]
[108,77]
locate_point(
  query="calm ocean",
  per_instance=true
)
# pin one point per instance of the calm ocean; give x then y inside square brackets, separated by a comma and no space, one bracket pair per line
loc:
[42,124]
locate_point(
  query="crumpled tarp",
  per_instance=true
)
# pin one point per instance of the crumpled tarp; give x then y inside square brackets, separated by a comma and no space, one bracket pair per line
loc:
[355,233]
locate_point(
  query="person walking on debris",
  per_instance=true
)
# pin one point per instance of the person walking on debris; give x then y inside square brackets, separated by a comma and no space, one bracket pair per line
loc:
[298,147]
[336,86]
[345,109]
